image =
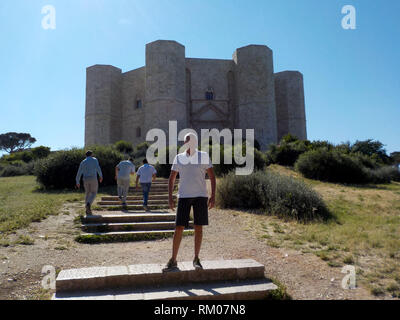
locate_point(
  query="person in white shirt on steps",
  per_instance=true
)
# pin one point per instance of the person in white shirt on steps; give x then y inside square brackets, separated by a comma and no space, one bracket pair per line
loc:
[122,174]
[146,174]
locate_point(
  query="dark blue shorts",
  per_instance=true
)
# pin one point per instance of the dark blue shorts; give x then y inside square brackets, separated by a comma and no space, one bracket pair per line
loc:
[200,211]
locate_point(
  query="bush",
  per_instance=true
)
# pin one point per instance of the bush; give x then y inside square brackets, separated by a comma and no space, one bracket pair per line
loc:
[17,169]
[276,194]
[124,147]
[164,170]
[40,152]
[12,171]
[223,168]
[384,174]
[58,171]
[332,166]
[287,153]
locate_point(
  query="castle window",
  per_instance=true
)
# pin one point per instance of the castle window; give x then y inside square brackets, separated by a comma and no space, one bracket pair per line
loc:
[138,132]
[210,94]
[138,104]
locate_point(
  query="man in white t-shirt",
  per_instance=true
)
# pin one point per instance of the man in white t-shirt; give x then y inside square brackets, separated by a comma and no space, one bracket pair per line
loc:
[192,166]
[146,174]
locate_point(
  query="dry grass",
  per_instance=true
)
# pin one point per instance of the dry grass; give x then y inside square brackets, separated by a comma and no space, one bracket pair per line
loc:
[364,233]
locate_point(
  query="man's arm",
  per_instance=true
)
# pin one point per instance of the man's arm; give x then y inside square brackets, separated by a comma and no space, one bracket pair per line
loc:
[78,176]
[211,175]
[137,180]
[99,172]
[116,173]
[171,184]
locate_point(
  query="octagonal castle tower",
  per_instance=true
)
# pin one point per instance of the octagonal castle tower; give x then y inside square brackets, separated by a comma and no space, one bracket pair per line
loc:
[242,93]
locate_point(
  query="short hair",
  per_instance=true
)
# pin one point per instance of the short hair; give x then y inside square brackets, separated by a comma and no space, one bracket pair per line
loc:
[89,153]
[145,161]
[130,159]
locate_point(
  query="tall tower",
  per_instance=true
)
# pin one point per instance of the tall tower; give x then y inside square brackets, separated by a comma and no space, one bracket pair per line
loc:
[290,106]
[165,85]
[103,105]
[256,108]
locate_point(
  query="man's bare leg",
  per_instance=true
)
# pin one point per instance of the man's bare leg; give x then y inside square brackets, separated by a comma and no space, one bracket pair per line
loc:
[198,237]
[177,241]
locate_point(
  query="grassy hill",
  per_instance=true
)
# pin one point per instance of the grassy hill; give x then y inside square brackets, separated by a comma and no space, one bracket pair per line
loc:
[365,231]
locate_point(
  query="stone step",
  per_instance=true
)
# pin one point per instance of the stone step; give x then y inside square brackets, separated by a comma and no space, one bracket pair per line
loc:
[132,202]
[127,236]
[135,206]
[130,226]
[151,275]
[138,197]
[126,218]
[256,289]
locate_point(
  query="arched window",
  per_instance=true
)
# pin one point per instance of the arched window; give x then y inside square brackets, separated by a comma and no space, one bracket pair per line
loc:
[138,132]
[138,104]
[210,94]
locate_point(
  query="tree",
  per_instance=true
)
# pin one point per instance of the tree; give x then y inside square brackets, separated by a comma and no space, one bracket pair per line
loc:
[371,148]
[396,157]
[13,142]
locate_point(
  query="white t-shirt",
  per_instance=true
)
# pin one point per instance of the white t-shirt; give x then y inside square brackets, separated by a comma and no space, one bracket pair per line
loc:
[125,169]
[145,173]
[192,174]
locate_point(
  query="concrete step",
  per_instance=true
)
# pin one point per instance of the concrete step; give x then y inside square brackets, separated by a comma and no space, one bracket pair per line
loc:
[138,197]
[256,289]
[127,236]
[134,206]
[151,275]
[131,226]
[132,202]
[126,218]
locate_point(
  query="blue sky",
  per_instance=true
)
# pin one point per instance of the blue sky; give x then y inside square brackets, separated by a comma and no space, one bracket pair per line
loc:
[352,87]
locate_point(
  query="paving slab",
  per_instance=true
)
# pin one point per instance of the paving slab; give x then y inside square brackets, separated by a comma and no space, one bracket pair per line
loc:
[143,275]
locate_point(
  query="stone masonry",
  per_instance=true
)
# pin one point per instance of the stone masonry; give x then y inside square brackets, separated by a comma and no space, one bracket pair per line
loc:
[242,93]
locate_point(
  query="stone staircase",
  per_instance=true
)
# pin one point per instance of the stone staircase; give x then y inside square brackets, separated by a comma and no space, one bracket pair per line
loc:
[222,279]
[115,223]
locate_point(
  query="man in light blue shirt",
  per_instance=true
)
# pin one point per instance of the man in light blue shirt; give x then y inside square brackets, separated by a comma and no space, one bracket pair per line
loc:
[89,169]
[145,174]
[122,174]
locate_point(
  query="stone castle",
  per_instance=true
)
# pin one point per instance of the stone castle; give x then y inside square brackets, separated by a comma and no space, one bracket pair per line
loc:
[242,93]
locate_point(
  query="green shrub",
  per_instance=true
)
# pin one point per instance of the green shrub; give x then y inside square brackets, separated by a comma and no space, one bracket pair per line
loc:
[12,171]
[223,168]
[332,166]
[124,146]
[58,171]
[384,174]
[164,170]
[140,150]
[277,194]
[17,168]
[40,152]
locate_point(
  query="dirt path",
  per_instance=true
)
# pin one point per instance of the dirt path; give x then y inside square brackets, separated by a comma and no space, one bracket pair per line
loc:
[305,275]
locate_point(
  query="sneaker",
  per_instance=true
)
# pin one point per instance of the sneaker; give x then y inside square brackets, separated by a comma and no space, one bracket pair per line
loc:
[170,266]
[196,264]
[146,208]
[88,210]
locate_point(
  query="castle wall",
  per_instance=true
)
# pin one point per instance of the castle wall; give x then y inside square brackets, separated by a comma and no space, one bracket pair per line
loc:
[165,85]
[103,105]
[255,91]
[209,74]
[247,95]
[133,89]
[290,105]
